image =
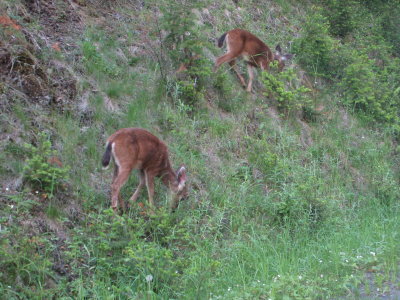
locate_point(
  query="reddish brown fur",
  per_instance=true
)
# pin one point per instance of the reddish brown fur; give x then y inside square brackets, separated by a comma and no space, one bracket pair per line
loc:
[55,161]
[136,148]
[257,54]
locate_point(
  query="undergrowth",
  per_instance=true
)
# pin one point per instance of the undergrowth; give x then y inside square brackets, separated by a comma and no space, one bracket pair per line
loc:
[268,216]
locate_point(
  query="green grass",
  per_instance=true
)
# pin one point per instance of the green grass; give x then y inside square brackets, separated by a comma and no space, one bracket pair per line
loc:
[268,217]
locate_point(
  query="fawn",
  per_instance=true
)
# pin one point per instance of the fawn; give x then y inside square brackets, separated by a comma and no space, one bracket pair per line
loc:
[256,54]
[136,148]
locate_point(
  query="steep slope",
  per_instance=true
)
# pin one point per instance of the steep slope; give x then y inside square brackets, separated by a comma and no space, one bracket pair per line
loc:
[294,188]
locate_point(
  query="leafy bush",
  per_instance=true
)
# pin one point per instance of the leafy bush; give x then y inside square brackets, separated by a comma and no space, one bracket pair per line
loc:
[341,17]
[386,13]
[314,47]
[189,92]
[289,99]
[372,90]
[186,45]
[302,204]
[39,170]
[261,156]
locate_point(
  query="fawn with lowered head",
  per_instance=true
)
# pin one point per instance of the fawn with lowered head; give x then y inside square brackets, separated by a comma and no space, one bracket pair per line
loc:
[240,42]
[136,148]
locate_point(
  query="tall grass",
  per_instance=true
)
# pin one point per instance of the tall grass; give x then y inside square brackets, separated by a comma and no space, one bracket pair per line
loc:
[268,216]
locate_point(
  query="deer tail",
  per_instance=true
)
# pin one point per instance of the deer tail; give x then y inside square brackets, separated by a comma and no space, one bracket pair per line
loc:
[106,156]
[221,40]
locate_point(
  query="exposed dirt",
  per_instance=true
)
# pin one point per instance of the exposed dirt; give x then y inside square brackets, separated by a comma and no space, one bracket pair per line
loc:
[60,22]
[25,76]
[370,289]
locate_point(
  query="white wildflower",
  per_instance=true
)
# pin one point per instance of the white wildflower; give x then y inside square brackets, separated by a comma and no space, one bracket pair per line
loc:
[149,278]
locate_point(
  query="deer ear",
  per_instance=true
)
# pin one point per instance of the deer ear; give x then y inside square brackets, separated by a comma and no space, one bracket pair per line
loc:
[278,49]
[181,177]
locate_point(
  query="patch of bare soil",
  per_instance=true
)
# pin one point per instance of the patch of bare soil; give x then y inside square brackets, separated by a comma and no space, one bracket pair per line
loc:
[388,290]
[48,26]
[60,21]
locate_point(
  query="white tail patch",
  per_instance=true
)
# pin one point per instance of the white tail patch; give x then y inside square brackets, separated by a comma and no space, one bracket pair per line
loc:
[181,178]
[227,43]
[114,156]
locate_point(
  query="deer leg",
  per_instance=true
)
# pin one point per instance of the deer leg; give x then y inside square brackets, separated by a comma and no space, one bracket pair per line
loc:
[119,180]
[150,186]
[115,175]
[142,182]
[251,76]
[224,58]
[232,63]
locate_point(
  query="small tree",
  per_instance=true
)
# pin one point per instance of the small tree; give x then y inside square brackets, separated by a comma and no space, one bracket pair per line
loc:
[39,170]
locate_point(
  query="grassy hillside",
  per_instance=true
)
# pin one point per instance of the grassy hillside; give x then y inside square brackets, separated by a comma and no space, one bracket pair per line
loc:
[294,189]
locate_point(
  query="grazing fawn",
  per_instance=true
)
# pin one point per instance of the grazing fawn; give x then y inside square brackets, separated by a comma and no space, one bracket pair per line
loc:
[256,54]
[136,148]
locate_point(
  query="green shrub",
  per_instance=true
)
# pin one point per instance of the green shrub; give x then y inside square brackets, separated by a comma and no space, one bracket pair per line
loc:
[341,17]
[39,170]
[189,93]
[372,90]
[302,204]
[386,13]
[358,84]
[261,156]
[314,48]
[186,45]
[290,98]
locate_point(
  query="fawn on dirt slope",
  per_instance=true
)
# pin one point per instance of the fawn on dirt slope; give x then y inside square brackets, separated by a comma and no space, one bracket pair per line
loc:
[240,42]
[136,148]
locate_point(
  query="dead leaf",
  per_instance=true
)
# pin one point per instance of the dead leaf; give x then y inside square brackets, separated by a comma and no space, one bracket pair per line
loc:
[6,21]
[56,47]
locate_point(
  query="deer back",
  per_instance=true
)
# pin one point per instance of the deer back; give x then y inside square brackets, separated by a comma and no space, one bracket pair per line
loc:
[255,51]
[136,148]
